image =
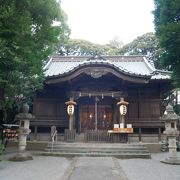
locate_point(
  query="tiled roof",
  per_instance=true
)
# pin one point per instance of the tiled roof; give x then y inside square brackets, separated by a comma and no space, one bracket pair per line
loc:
[132,65]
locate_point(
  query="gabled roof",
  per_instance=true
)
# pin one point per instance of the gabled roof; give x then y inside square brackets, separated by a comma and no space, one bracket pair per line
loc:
[137,66]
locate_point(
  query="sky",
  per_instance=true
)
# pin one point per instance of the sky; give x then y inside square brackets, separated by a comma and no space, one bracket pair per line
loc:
[100,21]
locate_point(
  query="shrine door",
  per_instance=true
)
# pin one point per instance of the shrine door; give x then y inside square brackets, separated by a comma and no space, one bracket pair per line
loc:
[88,117]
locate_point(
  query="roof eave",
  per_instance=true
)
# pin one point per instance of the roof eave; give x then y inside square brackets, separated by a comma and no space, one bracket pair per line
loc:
[132,77]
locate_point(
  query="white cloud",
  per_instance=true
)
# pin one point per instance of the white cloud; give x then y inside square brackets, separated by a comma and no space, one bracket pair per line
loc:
[100,20]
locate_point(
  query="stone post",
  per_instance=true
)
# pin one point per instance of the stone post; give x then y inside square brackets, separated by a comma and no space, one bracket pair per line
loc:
[24,120]
[170,118]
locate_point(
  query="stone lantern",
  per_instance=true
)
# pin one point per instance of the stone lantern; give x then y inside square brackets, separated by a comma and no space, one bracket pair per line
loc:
[170,118]
[24,120]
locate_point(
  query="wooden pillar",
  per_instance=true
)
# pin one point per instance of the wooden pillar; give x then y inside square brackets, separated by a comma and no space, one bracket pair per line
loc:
[35,132]
[79,119]
[139,97]
[96,114]
[71,122]
[123,119]
[114,114]
[159,134]
[140,135]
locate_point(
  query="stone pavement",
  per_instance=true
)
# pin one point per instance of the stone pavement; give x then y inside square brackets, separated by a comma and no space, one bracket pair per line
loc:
[89,168]
[150,169]
[41,168]
[100,168]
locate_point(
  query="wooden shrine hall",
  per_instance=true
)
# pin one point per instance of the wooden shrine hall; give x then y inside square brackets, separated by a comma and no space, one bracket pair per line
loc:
[97,84]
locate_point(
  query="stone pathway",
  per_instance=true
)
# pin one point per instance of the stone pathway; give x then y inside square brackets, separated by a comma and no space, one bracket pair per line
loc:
[89,168]
[95,168]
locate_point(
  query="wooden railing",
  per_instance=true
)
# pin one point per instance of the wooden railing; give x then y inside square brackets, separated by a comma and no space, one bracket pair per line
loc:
[104,136]
[69,135]
[97,136]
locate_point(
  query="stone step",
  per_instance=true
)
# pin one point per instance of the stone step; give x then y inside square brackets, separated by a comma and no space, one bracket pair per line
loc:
[96,145]
[112,145]
[98,154]
[97,149]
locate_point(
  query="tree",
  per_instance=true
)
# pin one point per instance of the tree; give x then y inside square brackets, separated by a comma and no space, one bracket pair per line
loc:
[79,47]
[147,45]
[27,37]
[167,26]
[116,42]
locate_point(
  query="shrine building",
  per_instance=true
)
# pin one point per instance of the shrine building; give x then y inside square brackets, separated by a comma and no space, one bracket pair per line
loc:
[97,84]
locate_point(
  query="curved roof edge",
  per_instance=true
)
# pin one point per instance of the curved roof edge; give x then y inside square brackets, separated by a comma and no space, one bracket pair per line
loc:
[97,70]
[134,66]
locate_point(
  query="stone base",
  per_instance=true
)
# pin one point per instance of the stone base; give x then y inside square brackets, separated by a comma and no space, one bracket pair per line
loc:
[21,156]
[172,161]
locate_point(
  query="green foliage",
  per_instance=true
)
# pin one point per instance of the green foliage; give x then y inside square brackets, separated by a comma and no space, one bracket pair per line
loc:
[116,42]
[146,45]
[177,109]
[1,149]
[167,26]
[78,47]
[172,97]
[27,38]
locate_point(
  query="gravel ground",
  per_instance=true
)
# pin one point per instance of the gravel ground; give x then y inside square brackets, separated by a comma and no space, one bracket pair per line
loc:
[87,168]
[150,169]
[40,168]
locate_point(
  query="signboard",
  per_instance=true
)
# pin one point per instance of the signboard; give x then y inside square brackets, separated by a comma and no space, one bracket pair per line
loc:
[9,134]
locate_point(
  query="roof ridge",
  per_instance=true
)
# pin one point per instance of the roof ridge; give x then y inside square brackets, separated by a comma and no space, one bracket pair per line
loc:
[148,64]
[48,63]
[163,71]
[83,56]
[129,58]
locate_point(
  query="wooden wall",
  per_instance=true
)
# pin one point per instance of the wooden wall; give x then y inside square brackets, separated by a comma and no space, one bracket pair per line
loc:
[50,109]
[144,109]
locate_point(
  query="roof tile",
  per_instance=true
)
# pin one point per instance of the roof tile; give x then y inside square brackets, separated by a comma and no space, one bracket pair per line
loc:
[135,65]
